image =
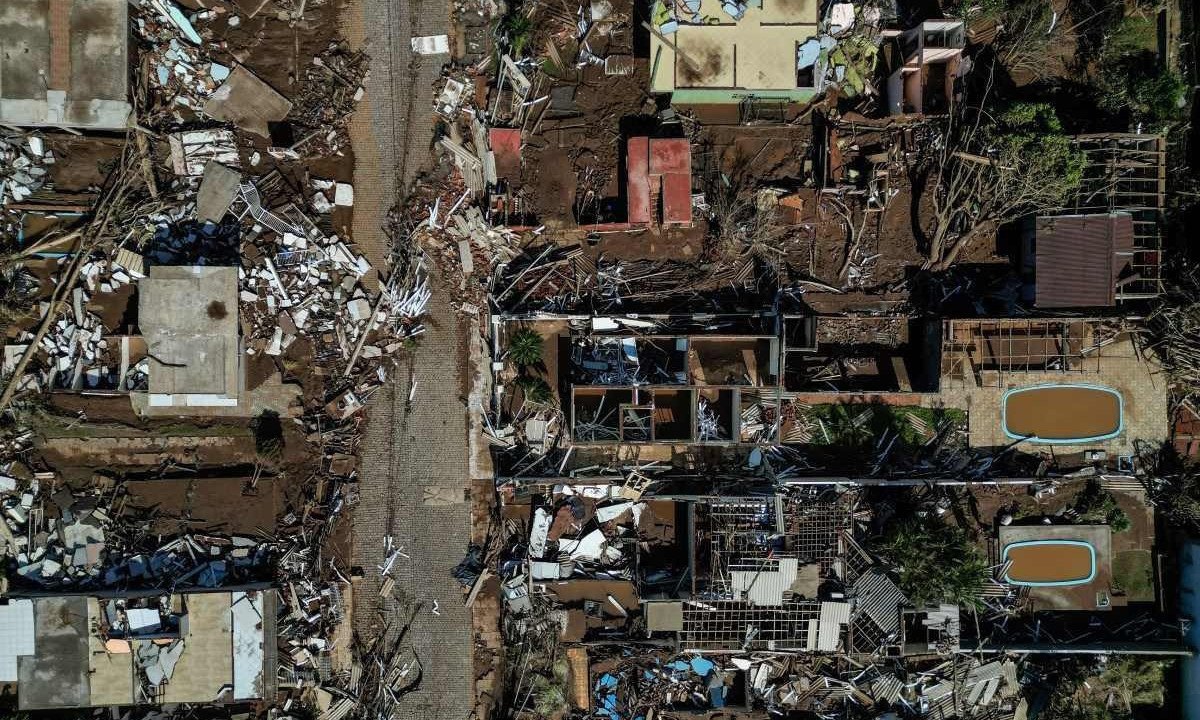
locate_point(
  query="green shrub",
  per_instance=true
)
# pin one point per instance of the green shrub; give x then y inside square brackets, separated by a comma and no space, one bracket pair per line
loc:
[1095,504]
[1130,75]
[937,562]
[518,28]
[535,390]
[525,347]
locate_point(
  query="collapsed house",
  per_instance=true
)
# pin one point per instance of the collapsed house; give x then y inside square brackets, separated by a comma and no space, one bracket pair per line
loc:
[834,381]
[1105,248]
[867,353]
[734,593]
[784,573]
[74,651]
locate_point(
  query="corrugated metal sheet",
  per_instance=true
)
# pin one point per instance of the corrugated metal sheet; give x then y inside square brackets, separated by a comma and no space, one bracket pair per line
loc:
[765,585]
[1079,259]
[834,616]
[886,688]
[877,597]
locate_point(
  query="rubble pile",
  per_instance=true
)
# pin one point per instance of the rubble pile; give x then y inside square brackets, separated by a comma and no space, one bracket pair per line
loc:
[383,668]
[584,535]
[683,683]
[22,166]
[191,151]
[298,279]
[55,537]
[181,71]
[299,282]
[333,84]
[75,341]
[793,684]
[77,351]
[315,608]
[461,236]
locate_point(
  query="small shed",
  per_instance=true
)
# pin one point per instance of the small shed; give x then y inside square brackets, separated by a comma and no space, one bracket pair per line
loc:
[659,181]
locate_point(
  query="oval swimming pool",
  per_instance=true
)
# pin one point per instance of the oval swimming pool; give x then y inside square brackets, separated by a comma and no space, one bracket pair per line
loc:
[1050,562]
[1071,413]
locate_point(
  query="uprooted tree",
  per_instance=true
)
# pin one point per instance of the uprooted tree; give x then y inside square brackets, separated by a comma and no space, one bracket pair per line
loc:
[998,164]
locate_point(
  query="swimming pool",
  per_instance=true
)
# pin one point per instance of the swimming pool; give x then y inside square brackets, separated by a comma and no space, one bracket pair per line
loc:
[1062,414]
[1050,563]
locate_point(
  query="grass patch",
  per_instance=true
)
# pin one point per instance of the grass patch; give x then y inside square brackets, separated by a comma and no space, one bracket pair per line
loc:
[1133,572]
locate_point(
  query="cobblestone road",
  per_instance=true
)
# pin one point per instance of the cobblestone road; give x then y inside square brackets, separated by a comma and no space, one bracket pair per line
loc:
[414,482]
[415,469]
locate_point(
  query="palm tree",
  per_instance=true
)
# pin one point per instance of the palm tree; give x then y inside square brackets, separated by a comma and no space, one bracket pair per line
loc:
[525,347]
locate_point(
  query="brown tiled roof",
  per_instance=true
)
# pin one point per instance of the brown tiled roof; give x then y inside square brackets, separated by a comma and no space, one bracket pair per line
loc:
[1079,259]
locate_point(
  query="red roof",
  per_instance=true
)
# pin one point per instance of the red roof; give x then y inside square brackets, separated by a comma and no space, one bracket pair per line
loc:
[664,164]
[670,155]
[506,144]
[677,198]
[638,167]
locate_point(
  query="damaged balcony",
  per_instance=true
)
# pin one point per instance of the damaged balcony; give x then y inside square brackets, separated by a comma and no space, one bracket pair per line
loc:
[923,66]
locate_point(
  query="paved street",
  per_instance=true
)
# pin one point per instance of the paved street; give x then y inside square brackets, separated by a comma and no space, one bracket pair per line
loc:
[392,131]
[414,468]
[414,479]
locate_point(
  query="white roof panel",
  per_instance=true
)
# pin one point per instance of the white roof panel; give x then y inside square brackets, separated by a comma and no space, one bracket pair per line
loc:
[248,651]
[16,636]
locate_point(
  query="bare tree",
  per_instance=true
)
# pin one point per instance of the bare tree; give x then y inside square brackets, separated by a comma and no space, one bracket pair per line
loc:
[739,226]
[855,236]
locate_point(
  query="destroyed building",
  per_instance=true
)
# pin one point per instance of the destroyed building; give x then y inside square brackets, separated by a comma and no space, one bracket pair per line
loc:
[1125,175]
[774,587]
[923,65]
[74,651]
[65,64]
[870,353]
[724,366]
[785,573]
[665,388]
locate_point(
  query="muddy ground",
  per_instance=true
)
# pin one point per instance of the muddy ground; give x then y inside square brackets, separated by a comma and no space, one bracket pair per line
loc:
[82,434]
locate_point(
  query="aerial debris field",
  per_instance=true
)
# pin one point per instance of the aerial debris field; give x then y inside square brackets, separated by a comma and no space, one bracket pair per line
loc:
[814,359]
